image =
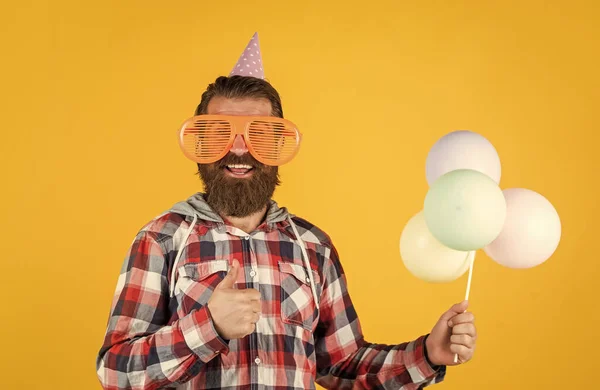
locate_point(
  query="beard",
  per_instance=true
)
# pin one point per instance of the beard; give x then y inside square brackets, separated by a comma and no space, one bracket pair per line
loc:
[238,197]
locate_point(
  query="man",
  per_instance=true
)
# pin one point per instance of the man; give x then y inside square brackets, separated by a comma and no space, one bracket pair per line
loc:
[229,291]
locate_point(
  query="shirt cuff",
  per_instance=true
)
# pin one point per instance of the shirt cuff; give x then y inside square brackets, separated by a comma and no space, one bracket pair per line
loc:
[201,336]
[416,363]
[433,366]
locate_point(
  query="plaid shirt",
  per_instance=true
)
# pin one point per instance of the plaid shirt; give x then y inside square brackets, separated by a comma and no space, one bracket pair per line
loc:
[162,339]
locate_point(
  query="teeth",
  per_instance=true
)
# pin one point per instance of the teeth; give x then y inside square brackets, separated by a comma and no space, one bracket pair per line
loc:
[239,166]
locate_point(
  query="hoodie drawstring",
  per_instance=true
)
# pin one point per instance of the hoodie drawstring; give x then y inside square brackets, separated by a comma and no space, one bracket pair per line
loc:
[306,261]
[179,251]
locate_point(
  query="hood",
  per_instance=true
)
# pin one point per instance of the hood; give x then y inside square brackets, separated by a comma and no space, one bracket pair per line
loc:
[196,206]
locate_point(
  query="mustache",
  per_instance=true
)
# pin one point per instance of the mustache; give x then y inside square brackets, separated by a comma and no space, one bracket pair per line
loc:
[245,159]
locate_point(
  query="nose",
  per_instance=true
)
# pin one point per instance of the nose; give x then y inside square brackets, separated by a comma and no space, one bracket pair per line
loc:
[239,145]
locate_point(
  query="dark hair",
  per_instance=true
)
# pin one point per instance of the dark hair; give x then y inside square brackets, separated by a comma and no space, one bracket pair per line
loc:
[241,87]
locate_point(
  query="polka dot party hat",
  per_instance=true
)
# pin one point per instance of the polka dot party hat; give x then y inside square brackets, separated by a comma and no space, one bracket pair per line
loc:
[250,62]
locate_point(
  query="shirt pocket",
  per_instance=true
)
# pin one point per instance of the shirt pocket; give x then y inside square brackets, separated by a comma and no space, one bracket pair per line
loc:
[196,282]
[297,302]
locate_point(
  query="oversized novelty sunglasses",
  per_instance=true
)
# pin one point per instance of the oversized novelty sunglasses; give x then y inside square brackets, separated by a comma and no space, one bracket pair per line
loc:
[208,138]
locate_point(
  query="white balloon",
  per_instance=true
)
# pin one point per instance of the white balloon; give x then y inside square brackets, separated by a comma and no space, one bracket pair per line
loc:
[428,259]
[531,232]
[462,149]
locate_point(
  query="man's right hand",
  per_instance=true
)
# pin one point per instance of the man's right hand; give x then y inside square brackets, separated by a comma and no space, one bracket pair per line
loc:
[234,312]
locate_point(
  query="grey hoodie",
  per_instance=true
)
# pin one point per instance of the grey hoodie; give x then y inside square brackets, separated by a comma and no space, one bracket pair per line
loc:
[196,205]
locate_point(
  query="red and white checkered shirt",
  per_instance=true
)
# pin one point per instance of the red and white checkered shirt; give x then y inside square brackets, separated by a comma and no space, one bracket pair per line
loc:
[160,333]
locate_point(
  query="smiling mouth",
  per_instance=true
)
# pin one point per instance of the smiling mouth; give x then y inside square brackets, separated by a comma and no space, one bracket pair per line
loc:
[239,170]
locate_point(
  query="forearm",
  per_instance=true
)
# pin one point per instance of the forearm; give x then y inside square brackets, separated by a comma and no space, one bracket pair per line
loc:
[381,366]
[171,355]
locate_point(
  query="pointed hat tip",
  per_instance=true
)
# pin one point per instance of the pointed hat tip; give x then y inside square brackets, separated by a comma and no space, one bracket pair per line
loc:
[250,61]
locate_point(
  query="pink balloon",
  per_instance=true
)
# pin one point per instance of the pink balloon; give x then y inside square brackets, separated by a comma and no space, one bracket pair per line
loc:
[531,231]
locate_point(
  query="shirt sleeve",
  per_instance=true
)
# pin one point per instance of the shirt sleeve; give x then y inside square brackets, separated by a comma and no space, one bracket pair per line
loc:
[141,350]
[345,360]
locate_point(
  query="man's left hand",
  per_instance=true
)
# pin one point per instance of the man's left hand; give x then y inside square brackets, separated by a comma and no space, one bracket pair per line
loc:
[453,334]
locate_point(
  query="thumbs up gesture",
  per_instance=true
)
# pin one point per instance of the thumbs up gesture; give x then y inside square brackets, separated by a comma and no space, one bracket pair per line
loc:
[234,312]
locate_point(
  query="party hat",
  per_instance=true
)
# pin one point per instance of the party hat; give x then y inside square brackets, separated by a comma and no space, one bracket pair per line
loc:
[250,62]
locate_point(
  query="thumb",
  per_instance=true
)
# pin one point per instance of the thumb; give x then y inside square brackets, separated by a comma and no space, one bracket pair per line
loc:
[231,276]
[455,309]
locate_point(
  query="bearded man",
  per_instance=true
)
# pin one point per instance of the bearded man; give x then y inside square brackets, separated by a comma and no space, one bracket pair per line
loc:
[228,290]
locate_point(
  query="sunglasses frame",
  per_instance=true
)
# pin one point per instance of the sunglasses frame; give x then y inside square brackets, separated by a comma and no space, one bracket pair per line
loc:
[240,124]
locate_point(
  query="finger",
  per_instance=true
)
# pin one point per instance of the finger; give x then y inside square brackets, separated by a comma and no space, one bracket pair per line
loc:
[231,277]
[250,328]
[256,306]
[468,329]
[249,308]
[464,353]
[455,309]
[462,339]
[252,294]
[250,318]
[461,318]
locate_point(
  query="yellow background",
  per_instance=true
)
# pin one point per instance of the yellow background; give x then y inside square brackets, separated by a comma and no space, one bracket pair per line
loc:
[93,93]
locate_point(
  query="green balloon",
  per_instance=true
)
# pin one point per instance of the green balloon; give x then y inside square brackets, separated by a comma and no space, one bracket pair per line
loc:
[465,210]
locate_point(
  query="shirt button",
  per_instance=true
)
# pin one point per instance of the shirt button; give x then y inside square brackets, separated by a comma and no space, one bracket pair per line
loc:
[253,273]
[257,361]
[308,280]
[246,238]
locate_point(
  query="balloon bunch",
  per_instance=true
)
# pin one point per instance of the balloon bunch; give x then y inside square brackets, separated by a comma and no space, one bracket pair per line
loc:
[465,210]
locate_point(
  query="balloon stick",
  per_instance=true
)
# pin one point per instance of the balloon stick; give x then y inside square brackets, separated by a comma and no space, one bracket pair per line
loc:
[468,291]
[470,278]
